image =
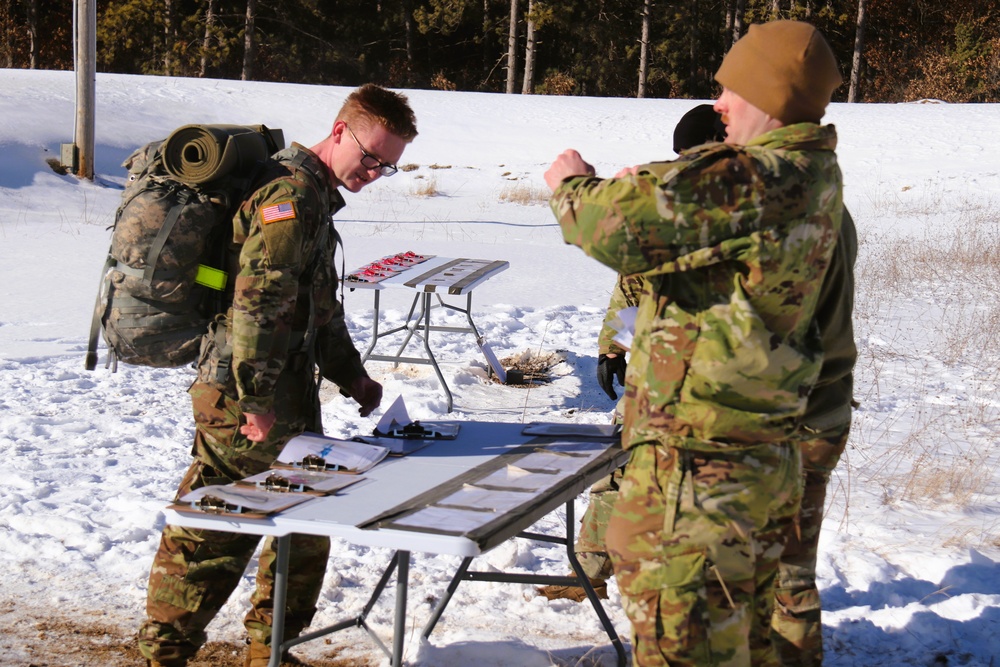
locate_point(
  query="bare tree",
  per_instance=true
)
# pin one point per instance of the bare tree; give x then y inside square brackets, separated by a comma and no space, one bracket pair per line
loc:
[738,12]
[31,8]
[487,51]
[249,41]
[694,43]
[775,9]
[206,42]
[168,36]
[859,47]
[410,29]
[727,34]
[647,7]
[512,48]
[529,52]
[7,24]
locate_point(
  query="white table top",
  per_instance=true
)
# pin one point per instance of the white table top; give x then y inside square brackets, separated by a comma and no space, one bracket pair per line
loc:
[398,482]
[448,275]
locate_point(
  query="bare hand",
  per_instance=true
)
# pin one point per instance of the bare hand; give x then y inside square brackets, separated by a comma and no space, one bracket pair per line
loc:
[569,163]
[368,393]
[257,426]
[627,171]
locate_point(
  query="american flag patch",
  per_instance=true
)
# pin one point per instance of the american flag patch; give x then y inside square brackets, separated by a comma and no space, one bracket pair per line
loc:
[281,211]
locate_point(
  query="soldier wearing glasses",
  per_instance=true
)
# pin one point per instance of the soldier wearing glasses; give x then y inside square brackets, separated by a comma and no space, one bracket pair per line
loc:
[257,376]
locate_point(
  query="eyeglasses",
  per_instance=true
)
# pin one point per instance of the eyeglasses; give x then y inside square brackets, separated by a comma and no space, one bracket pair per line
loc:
[369,161]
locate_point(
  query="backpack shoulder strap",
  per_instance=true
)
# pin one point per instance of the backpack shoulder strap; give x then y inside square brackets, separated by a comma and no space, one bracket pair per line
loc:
[99,307]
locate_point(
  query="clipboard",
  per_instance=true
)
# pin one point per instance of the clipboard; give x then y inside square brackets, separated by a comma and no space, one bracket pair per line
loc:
[313,452]
[300,480]
[602,431]
[236,499]
[420,430]
[397,446]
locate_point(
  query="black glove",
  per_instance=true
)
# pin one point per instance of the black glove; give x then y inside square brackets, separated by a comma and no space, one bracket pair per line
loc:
[609,368]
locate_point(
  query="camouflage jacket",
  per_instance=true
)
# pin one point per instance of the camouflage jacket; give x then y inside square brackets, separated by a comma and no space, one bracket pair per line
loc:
[829,404]
[284,244]
[734,243]
[624,295]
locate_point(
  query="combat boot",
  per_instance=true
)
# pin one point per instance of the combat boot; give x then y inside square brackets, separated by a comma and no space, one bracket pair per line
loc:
[259,655]
[575,593]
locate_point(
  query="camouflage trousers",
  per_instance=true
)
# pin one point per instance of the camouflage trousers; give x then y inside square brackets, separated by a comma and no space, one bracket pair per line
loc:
[589,546]
[195,571]
[796,626]
[695,539]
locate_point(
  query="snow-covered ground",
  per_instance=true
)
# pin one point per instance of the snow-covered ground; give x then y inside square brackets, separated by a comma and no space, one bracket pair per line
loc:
[909,571]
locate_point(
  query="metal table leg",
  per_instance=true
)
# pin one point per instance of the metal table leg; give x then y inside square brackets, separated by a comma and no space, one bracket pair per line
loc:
[399,625]
[418,323]
[400,564]
[580,579]
[280,600]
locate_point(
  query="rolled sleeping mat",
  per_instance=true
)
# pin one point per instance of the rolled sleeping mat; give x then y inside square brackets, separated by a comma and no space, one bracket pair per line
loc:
[198,154]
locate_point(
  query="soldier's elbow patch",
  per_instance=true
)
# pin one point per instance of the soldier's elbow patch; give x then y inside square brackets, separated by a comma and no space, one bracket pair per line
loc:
[282,241]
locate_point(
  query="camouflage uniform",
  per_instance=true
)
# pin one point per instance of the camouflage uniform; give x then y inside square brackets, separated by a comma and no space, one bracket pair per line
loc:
[257,357]
[796,625]
[735,242]
[589,547]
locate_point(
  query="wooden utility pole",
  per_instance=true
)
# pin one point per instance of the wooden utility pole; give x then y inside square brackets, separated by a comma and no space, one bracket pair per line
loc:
[86,86]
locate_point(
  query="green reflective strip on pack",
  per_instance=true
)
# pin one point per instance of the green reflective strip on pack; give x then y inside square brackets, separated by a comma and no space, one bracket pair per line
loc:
[211,278]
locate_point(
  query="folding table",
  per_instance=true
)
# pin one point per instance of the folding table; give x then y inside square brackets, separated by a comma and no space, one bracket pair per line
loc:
[431,277]
[384,509]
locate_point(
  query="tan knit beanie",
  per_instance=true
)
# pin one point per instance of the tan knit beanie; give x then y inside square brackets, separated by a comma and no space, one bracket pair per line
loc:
[784,68]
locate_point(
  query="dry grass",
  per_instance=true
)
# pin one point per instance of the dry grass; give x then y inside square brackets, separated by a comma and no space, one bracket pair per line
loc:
[57,166]
[63,640]
[424,187]
[927,317]
[526,194]
[534,367]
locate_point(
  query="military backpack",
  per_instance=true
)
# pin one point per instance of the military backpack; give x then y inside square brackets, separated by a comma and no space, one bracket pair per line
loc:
[164,279]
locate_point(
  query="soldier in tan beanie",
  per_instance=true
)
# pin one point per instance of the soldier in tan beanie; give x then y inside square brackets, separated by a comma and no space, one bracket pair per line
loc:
[733,241]
[784,68]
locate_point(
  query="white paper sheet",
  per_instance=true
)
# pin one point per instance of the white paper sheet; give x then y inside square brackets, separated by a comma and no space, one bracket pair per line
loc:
[344,455]
[624,324]
[554,462]
[446,519]
[591,449]
[395,415]
[474,497]
[396,423]
[514,477]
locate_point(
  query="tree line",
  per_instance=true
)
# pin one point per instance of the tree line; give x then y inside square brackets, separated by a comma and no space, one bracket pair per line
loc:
[889,50]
